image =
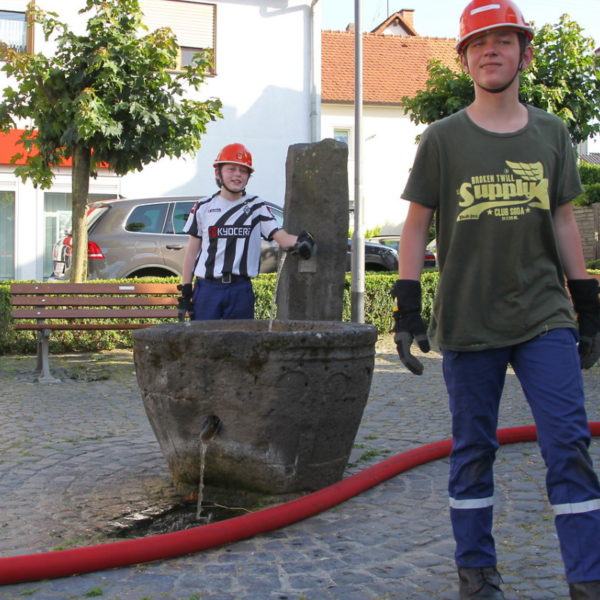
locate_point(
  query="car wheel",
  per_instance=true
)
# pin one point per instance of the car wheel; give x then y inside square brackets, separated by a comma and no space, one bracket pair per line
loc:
[152,273]
[374,267]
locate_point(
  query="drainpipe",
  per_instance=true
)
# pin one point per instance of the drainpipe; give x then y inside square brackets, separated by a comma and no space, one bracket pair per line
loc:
[315,72]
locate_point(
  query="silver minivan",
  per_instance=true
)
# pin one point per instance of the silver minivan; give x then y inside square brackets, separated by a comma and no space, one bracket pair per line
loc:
[141,238]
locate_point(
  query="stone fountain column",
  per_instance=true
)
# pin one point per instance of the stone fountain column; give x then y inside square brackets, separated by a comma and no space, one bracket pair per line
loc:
[316,199]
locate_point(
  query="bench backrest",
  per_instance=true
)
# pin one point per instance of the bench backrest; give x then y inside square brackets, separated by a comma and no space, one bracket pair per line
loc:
[73,301]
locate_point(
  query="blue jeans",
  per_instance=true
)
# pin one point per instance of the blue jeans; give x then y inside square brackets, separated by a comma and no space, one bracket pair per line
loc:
[214,300]
[549,373]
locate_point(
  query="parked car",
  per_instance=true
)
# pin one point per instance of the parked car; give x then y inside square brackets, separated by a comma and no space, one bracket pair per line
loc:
[378,257]
[144,237]
[393,241]
[140,237]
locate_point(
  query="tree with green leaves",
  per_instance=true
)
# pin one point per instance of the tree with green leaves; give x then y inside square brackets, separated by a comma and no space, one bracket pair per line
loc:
[107,97]
[564,79]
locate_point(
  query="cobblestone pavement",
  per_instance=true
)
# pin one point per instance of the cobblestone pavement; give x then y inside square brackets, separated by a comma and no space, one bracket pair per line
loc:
[78,454]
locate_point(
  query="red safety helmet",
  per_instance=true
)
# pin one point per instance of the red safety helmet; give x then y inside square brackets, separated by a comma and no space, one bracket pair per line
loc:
[236,154]
[484,15]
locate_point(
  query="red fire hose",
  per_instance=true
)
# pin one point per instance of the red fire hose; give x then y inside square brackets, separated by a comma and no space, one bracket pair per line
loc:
[48,565]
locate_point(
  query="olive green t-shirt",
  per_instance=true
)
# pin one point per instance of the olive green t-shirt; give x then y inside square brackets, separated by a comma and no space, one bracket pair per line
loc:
[495,194]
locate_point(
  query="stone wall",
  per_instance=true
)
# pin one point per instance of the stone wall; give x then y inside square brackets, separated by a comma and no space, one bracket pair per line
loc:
[588,219]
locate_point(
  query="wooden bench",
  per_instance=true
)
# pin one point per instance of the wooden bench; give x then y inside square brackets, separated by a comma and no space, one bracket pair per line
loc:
[44,307]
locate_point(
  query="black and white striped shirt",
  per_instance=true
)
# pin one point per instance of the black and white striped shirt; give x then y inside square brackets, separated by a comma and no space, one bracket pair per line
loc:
[231,232]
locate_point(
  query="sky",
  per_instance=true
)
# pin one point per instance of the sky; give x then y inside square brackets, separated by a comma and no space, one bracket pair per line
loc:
[439,18]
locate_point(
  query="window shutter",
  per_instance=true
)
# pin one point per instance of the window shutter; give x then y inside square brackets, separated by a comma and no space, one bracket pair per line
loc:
[193,23]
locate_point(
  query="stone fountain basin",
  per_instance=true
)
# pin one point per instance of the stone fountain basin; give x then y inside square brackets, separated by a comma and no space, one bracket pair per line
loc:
[290,398]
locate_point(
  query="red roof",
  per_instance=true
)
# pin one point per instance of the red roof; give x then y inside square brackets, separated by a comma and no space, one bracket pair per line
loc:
[593,158]
[393,66]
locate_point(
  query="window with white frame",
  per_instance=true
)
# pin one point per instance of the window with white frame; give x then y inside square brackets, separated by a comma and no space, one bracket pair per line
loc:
[193,23]
[57,221]
[7,235]
[342,134]
[14,31]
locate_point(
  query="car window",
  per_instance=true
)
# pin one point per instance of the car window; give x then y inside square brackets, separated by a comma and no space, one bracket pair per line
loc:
[390,244]
[94,213]
[277,213]
[180,215]
[148,218]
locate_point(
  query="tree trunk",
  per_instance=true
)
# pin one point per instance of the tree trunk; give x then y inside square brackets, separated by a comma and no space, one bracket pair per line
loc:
[80,184]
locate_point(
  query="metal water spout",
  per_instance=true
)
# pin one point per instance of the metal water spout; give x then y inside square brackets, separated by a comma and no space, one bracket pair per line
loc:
[210,428]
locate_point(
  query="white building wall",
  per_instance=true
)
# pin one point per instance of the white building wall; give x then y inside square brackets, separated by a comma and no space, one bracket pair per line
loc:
[262,66]
[389,148]
[265,80]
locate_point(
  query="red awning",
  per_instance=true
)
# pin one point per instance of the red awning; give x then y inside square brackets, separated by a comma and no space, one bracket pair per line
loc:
[10,144]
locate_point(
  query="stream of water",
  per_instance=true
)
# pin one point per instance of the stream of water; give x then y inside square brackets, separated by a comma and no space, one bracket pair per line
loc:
[273,312]
[210,428]
[203,448]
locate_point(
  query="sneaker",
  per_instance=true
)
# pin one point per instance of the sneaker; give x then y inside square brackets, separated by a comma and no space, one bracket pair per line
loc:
[480,583]
[586,590]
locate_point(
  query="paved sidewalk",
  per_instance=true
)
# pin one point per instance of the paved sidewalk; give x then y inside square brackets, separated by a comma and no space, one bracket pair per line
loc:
[78,454]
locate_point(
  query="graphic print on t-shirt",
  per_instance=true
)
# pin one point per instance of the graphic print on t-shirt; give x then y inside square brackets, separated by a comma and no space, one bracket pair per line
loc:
[507,196]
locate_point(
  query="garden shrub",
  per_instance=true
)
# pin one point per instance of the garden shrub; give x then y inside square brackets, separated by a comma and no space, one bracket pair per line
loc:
[589,173]
[590,196]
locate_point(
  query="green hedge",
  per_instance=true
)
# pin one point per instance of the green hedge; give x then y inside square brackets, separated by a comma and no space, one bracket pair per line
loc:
[378,311]
[589,173]
[590,178]
[591,195]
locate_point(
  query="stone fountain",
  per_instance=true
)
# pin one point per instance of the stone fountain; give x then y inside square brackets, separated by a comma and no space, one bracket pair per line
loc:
[288,394]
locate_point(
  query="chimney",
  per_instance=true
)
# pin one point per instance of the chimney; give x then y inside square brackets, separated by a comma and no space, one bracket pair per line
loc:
[408,15]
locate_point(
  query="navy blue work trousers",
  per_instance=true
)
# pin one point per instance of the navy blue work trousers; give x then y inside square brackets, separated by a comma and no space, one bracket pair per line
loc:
[549,373]
[215,300]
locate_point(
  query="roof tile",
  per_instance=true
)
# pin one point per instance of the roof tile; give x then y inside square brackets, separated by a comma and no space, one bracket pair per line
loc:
[593,158]
[393,66]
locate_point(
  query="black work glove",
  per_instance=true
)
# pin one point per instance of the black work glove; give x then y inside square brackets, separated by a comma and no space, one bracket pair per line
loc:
[408,324]
[584,293]
[304,245]
[184,302]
